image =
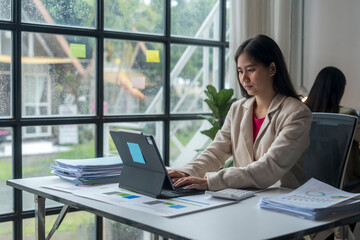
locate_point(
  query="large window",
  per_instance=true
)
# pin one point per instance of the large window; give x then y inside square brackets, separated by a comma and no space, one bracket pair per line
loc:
[72,70]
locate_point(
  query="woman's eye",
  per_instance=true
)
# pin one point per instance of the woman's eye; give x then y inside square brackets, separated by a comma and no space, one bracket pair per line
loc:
[252,70]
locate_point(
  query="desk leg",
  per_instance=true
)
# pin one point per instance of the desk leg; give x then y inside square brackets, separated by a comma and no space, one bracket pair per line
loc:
[341,232]
[39,217]
[58,221]
[157,237]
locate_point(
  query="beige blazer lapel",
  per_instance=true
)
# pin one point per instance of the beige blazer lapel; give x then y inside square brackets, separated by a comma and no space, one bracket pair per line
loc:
[275,104]
[262,129]
[246,130]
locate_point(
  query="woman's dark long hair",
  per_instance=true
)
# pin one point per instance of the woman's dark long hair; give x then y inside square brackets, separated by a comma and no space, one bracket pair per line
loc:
[265,50]
[327,91]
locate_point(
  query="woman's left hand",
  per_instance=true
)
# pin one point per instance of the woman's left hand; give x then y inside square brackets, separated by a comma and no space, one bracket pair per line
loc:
[192,183]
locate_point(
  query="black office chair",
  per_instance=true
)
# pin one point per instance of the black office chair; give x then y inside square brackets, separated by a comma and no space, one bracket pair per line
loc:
[331,137]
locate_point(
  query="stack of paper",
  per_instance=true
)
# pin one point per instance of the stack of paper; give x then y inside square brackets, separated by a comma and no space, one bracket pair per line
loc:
[314,200]
[88,171]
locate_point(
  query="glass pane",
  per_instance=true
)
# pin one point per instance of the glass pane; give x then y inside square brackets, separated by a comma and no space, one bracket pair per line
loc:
[186,140]
[195,18]
[133,77]
[30,86]
[113,230]
[74,13]
[76,225]
[6,192]
[5,74]
[47,143]
[58,75]
[5,10]
[192,69]
[228,4]
[153,128]
[144,16]
[6,230]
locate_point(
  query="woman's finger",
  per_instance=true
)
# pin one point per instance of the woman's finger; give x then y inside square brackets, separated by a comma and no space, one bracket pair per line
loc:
[179,182]
[174,180]
[176,174]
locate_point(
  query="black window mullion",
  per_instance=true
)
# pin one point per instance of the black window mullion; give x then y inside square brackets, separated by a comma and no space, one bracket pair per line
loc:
[166,84]
[16,110]
[99,91]
[222,20]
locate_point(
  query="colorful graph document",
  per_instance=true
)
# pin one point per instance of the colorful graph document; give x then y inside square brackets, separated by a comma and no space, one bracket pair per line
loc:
[112,194]
[314,200]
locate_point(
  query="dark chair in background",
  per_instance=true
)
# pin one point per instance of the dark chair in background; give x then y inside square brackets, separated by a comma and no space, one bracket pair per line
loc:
[331,137]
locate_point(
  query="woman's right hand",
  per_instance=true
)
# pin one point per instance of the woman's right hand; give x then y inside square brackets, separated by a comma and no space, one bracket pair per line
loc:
[176,175]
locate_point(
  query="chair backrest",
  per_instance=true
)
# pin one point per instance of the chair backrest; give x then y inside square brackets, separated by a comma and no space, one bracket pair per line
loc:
[331,136]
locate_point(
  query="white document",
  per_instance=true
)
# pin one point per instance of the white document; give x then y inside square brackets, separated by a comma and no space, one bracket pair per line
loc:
[112,194]
[313,200]
[314,194]
[100,170]
[67,187]
[90,163]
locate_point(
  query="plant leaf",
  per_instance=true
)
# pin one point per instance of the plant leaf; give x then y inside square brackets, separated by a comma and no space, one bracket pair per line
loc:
[219,103]
[226,108]
[211,119]
[229,163]
[213,108]
[211,132]
[212,90]
[228,94]
[208,94]
[223,97]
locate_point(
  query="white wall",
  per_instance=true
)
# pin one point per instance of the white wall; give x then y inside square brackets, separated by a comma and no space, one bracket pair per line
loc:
[332,37]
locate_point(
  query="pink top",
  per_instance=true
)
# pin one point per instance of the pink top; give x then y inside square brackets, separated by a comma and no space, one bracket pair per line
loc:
[256,126]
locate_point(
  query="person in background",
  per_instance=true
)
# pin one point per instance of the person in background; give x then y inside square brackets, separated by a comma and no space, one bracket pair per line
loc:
[325,96]
[266,132]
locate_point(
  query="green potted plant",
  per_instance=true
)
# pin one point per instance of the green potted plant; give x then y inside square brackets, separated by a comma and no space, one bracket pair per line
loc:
[219,103]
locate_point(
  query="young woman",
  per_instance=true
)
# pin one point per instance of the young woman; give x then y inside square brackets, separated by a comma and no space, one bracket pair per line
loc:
[266,133]
[325,96]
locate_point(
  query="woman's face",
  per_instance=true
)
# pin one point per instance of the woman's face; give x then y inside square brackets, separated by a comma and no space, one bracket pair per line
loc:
[255,77]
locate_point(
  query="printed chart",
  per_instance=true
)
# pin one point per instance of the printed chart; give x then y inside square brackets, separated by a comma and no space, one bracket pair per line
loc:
[314,200]
[112,194]
[314,194]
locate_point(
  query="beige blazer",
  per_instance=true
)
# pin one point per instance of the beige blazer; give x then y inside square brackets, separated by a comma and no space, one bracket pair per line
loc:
[276,155]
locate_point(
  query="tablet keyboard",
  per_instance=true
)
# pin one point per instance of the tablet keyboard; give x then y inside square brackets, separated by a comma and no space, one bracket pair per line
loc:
[178,192]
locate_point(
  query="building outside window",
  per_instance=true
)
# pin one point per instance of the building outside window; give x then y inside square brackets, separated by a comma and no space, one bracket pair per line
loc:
[72,70]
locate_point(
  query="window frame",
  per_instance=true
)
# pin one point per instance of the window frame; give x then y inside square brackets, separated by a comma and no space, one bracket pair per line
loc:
[18,122]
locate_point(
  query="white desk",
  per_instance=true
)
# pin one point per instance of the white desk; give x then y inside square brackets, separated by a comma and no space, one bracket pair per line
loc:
[243,220]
